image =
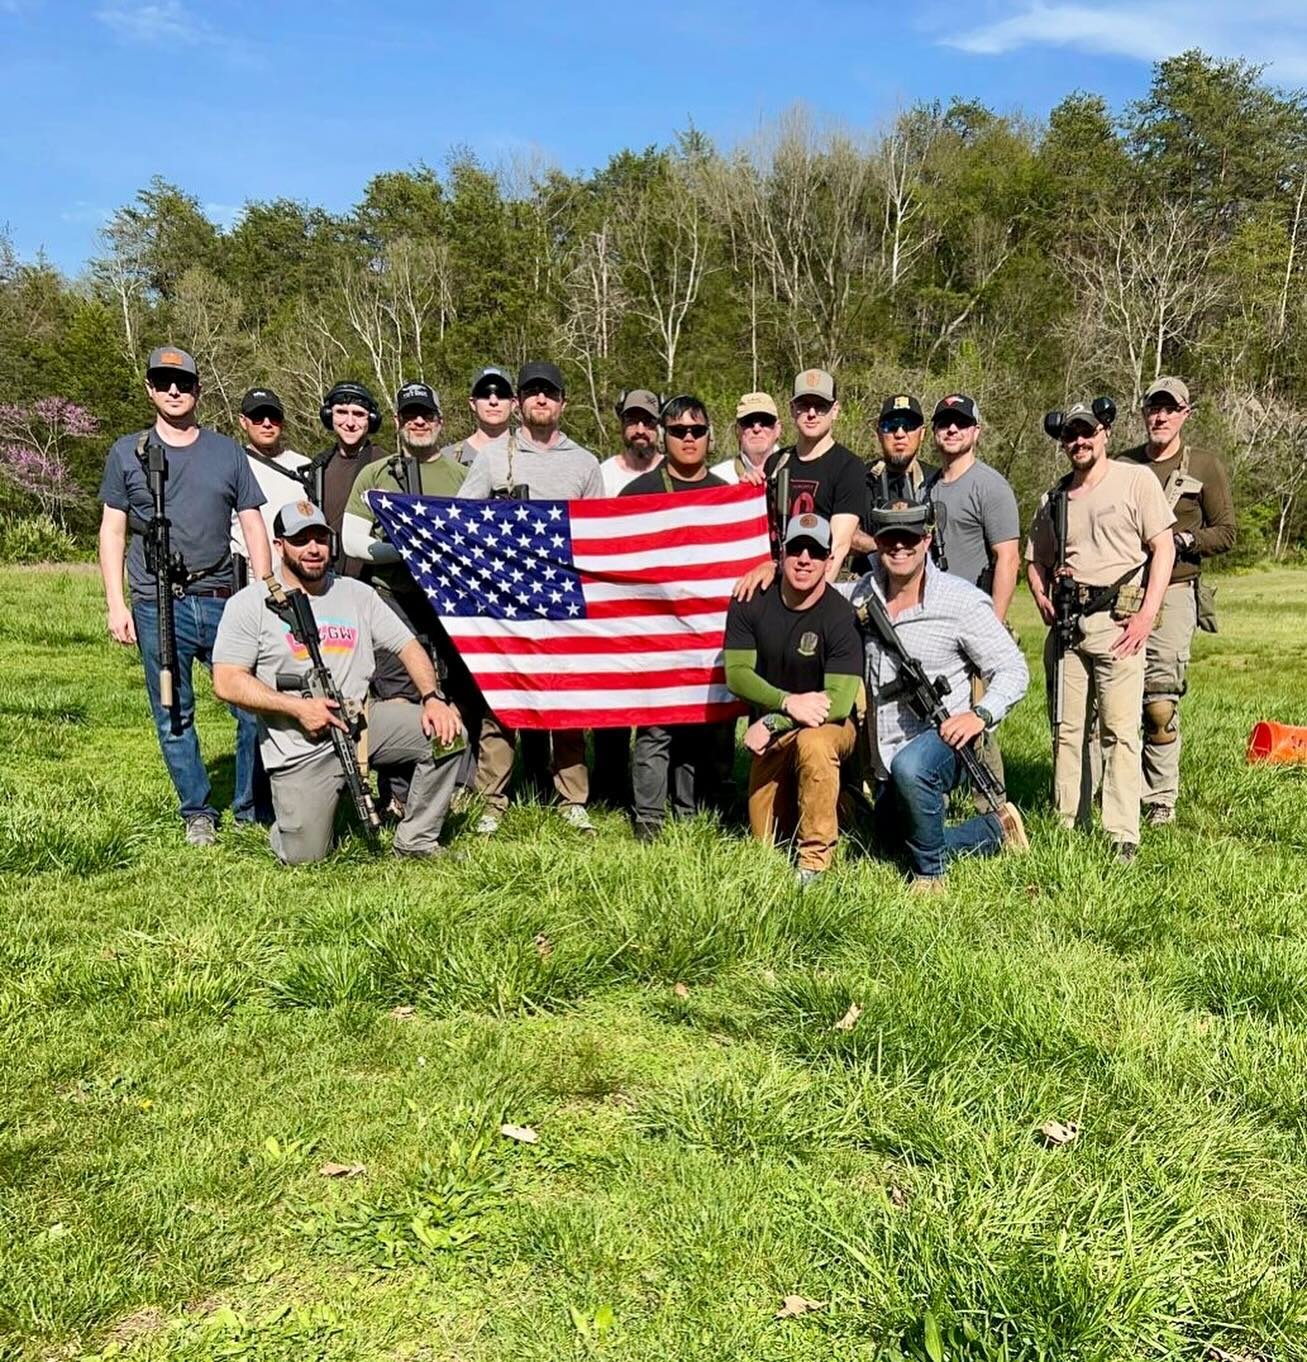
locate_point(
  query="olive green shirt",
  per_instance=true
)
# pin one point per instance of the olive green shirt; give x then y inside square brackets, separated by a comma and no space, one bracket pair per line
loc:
[1205,508]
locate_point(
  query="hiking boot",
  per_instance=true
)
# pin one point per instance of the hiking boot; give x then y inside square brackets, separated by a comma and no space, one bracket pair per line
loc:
[201,831]
[928,884]
[804,878]
[1125,852]
[1159,815]
[411,854]
[646,832]
[488,823]
[1014,830]
[575,816]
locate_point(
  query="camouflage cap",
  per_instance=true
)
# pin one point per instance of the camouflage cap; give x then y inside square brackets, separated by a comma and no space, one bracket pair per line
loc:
[914,517]
[1081,412]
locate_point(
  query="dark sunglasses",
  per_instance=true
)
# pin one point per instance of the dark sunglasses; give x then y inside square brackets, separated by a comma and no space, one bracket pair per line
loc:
[897,539]
[944,422]
[760,419]
[493,390]
[541,390]
[817,404]
[315,534]
[814,551]
[1076,432]
[692,432]
[892,425]
[265,414]
[408,414]
[184,383]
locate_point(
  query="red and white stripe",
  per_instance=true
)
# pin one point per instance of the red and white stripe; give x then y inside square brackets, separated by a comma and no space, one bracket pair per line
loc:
[656,573]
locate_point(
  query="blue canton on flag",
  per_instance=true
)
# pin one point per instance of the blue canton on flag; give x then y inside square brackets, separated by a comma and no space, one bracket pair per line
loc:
[488,559]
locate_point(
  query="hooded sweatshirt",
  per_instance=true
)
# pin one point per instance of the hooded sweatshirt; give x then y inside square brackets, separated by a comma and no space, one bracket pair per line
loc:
[562,471]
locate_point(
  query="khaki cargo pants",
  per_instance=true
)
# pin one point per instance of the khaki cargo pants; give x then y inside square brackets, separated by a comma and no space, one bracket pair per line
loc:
[495,763]
[794,790]
[1093,675]
[1165,673]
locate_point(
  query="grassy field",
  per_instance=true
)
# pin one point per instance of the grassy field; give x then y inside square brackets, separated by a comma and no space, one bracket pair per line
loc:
[190,1036]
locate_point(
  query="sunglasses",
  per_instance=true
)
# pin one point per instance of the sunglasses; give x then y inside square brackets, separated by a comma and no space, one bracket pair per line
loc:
[184,383]
[817,404]
[944,422]
[315,534]
[762,419]
[814,551]
[898,540]
[264,414]
[493,390]
[893,425]
[687,432]
[541,390]
[417,414]
[1072,433]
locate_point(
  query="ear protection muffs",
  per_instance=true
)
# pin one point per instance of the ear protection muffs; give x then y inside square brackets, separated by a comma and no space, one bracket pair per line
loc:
[1104,410]
[350,392]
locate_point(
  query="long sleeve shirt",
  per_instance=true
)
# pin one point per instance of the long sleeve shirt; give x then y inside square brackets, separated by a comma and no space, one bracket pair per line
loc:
[953,633]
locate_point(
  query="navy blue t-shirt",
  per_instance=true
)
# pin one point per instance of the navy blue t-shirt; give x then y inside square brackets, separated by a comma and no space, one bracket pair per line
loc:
[207,481]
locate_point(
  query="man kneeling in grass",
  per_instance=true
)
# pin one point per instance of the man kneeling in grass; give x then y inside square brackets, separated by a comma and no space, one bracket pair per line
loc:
[255,649]
[794,653]
[950,628]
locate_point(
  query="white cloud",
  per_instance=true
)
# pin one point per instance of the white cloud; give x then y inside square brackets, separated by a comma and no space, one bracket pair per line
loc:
[224,214]
[1273,32]
[163,21]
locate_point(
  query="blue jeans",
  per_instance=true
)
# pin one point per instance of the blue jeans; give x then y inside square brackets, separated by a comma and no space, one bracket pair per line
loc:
[195,620]
[911,805]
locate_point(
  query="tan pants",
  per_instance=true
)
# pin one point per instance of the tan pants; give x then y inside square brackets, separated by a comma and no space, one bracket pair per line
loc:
[1165,673]
[495,763]
[794,788]
[987,750]
[1092,675]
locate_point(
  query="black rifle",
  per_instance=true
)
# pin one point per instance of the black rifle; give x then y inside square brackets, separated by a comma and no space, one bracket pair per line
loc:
[296,609]
[167,569]
[925,696]
[1066,610]
[780,502]
[408,477]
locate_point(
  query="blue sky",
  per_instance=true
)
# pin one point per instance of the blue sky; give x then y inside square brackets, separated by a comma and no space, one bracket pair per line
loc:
[254,99]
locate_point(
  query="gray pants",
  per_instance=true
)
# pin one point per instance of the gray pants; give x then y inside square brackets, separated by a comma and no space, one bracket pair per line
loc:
[1165,678]
[689,762]
[305,795]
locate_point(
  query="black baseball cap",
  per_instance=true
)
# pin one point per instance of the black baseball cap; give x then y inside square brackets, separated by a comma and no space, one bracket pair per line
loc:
[901,404]
[541,371]
[956,404]
[417,395]
[491,373]
[261,399]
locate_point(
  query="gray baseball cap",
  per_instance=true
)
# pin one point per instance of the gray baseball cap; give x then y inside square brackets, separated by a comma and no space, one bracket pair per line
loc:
[170,357]
[1175,388]
[901,515]
[295,516]
[810,529]
[815,383]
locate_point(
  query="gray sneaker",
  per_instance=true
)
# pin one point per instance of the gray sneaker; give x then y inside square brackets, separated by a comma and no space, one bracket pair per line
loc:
[576,816]
[804,878]
[488,824]
[201,831]
[1159,815]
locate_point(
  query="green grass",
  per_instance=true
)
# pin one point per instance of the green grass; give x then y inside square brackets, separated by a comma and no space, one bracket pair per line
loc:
[189,1035]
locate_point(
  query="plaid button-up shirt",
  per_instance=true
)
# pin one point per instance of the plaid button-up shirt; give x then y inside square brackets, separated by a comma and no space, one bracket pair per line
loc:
[953,633]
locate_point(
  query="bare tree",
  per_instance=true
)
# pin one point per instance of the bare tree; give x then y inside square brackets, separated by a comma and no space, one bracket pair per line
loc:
[593,302]
[207,319]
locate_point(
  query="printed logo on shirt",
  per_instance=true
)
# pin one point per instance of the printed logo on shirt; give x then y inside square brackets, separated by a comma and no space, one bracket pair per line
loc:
[808,644]
[334,638]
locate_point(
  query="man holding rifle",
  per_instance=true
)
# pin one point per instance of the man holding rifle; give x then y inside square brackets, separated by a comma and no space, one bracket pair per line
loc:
[313,725]
[1099,559]
[927,633]
[176,486]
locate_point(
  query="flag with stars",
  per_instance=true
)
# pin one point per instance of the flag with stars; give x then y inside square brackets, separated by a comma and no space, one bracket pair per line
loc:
[602,613]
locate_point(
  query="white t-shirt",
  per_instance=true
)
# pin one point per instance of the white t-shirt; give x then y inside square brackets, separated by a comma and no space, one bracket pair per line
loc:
[616,475]
[278,490]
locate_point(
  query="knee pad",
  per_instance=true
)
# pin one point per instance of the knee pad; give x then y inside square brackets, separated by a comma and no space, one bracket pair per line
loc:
[1159,721]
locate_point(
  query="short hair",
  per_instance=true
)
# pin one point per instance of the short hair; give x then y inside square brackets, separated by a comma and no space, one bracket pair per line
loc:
[676,407]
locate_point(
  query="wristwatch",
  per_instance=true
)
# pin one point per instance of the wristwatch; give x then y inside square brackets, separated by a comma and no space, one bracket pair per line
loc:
[771,722]
[983,715]
[430,695]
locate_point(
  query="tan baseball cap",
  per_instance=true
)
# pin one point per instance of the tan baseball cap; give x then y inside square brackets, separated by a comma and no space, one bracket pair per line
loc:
[815,383]
[1173,387]
[641,399]
[751,404]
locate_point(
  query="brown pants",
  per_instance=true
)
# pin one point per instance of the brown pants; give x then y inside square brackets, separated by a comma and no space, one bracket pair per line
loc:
[794,788]
[495,763]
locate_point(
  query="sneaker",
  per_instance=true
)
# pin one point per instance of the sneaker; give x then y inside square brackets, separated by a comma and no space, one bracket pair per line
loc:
[575,816]
[409,854]
[1125,852]
[1014,830]
[928,884]
[488,824]
[201,831]
[1159,815]
[803,877]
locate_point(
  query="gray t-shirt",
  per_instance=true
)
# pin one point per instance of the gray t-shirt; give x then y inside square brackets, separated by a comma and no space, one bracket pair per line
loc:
[352,621]
[562,472]
[979,511]
[207,482]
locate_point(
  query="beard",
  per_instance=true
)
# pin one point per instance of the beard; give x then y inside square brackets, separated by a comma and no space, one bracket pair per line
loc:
[417,445]
[314,573]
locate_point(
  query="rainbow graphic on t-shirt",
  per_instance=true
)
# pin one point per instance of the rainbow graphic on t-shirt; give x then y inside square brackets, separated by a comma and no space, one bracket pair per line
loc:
[334,637]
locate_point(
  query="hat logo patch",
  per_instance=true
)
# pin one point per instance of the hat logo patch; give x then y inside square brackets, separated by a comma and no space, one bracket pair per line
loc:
[170,357]
[305,507]
[900,402]
[808,522]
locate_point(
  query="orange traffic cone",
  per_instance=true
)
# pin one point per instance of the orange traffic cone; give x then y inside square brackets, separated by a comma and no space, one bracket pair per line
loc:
[1278,743]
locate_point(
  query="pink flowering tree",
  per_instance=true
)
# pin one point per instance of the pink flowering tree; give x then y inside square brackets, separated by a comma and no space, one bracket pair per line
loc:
[34,442]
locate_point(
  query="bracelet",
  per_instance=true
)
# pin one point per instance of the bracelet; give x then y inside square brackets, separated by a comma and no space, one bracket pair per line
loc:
[430,695]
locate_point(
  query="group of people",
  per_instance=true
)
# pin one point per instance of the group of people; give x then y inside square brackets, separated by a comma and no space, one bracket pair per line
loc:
[834,737]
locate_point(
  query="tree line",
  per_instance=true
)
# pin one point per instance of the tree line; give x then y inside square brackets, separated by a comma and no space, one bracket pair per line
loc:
[955,249]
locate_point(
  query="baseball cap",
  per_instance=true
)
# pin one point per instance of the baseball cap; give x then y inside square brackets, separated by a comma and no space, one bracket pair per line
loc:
[169,357]
[1081,412]
[901,404]
[815,383]
[491,373]
[641,399]
[813,529]
[295,516]
[541,371]
[1174,388]
[754,404]
[417,395]
[901,515]
[957,405]
[261,399]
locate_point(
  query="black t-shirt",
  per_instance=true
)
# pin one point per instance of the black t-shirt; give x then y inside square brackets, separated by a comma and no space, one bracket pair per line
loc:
[653,482]
[797,649]
[886,485]
[337,484]
[833,484]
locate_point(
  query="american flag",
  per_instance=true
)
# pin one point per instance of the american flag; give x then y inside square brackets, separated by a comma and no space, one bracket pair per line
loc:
[602,613]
